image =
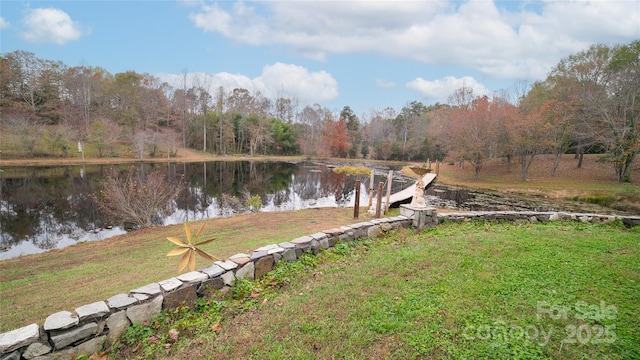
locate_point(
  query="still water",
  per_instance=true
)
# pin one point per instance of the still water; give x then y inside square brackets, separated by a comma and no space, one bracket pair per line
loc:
[47,208]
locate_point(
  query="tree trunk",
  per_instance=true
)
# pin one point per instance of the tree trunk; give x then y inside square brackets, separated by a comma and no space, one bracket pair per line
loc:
[556,162]
[626,175]
[509,164]
[580,156]
[524,165]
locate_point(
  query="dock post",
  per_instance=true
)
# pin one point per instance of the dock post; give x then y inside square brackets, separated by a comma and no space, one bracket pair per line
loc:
[389,180]
[371,188]
[379,200]
[356,207]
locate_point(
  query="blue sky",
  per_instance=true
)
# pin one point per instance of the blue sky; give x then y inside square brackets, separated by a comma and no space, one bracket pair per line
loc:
[365,54]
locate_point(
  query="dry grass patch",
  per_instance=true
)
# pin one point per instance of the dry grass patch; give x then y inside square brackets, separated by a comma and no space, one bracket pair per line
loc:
[593,181]
[35,286]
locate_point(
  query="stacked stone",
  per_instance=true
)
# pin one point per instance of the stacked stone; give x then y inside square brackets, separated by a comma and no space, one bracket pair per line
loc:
[94,327]
[533,217]
[421,216]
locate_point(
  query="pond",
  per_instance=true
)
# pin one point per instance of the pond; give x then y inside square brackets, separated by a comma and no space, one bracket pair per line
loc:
[44,208]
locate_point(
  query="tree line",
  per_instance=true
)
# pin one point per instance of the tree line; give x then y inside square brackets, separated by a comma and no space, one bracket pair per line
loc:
[587,103]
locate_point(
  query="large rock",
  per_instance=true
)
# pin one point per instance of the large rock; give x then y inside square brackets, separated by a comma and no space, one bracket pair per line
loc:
[213,271]
[240,259]
[263,265]
[117,324]
[88,347]
[258,254]
[142,312]
[318,236]
[18,338]
[228,278]
[61,320]
[373,231]
[193,276]
[207,288]
[149,289]
[246,272]
[303,241]
[290,255]
[184,296]
[227,264]
[92,311]
[12,356]
[170,284]
[66,338]
[121,301]
[36,349]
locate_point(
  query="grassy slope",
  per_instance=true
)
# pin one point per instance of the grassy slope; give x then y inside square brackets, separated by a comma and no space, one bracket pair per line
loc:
[594,182]
[435,294]
[593,176]
[35,286]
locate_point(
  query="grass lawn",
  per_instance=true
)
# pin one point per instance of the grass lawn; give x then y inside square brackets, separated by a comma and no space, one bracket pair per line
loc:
[458,291]
[35,286]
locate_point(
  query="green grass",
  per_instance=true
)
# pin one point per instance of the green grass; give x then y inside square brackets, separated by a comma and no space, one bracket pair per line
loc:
[35,286]
[352,170]
[458,291]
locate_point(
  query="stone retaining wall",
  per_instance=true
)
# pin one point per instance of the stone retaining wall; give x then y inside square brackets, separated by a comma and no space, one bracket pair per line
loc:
[94,327]
[533,216]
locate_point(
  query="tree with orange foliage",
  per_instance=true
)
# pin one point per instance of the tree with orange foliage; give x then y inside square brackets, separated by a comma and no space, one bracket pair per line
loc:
[335,135]
[557,111]
[472,128]
[528,133]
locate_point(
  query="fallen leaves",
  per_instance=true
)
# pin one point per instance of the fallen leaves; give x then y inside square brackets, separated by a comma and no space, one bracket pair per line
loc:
[216,327]
[94,356]
[101,356]
[173,335]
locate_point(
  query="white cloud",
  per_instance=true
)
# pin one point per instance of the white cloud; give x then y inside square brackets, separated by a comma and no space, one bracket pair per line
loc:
[294,80]
[3,23]
[498,39]
[275,80]
[50,25]
[243,24]
[440,90]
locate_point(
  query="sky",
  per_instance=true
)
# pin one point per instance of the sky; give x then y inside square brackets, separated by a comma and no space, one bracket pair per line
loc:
[368,55]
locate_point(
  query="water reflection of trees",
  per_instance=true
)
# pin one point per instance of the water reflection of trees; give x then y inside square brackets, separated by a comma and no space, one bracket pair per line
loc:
[44,205]
[216,188]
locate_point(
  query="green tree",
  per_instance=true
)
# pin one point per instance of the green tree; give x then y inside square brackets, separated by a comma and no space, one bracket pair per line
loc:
[353,130]
[284,137]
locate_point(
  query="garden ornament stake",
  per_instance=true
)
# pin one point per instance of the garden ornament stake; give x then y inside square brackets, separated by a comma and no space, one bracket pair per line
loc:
[189,249]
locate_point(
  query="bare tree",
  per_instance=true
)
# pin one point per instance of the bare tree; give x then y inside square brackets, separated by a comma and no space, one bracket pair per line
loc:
[138,199]
[28,131]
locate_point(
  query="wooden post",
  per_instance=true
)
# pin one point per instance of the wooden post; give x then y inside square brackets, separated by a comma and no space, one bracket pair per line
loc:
[437,167]
[371,188]
[389,180]
[379,200]
[356,207]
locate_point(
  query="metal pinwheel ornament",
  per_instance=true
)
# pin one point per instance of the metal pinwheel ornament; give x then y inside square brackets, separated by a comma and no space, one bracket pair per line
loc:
[189,249]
